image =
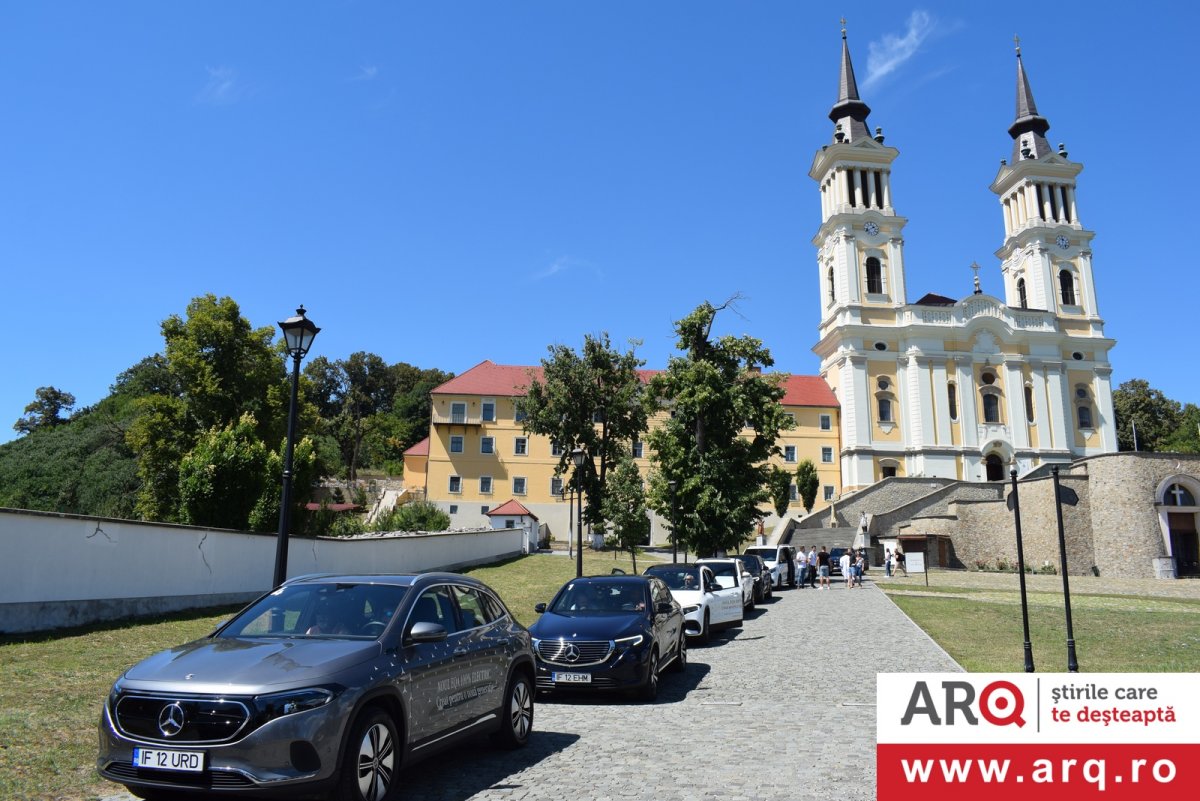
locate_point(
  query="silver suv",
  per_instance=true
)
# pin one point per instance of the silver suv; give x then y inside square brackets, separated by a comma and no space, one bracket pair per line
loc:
[327,685]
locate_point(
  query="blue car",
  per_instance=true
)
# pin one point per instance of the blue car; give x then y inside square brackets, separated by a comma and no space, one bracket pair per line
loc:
[609,633]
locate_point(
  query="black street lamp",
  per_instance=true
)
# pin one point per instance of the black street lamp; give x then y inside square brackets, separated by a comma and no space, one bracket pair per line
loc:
[1068,496]
[1014,503]
[578,457]
[299,333]
[674,536]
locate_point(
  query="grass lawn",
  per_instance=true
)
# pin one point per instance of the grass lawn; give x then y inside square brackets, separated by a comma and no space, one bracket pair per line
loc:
[981,628]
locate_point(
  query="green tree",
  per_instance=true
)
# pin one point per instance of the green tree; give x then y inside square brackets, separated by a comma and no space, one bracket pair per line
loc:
[807,483]
[49,403]
[779,488]
[625,508]
[1186,437]
[591,400]
[415,516]
[160,437]
[224,476]
[1156,417]
[725,418]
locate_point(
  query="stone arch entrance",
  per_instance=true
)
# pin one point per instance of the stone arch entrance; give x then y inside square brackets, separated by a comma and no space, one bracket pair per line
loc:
[1178,502]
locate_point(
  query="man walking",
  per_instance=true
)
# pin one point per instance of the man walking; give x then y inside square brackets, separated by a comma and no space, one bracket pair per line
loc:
[844,564]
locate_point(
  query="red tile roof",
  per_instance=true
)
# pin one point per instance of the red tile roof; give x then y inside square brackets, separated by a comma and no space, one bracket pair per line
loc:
[489,378]
[420,449]
[512,380]
[512,508]
[808,390]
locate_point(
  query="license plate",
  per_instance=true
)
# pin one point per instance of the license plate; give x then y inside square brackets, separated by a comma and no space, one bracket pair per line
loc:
[162,759]
[572,678]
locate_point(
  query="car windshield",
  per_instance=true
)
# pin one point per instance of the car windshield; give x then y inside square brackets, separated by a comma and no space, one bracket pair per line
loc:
[598,598]
[765,555]
[344,610]
[726,573]
[678,578]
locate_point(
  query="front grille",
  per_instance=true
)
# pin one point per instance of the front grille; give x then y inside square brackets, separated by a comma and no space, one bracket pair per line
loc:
[586,652]
[209,780]
[205,720]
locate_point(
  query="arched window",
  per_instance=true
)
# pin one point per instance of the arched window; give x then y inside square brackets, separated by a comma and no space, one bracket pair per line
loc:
[874,276]
[1029,403]
[885,410]
[1083,406]
[991,408]
[1178,495]
[952,398]
[1022,299]
[832,290]
[1066,283]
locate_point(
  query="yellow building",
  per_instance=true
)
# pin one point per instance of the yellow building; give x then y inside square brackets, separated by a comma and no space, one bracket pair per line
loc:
[477,455]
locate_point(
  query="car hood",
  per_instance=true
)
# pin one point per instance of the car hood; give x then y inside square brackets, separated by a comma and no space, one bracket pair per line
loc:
[251,664]
[687,598]
[551,626]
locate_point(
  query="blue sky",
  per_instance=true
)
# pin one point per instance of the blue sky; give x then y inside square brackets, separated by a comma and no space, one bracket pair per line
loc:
[446,182]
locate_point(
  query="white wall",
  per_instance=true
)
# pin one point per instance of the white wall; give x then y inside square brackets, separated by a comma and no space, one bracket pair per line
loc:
[62,570]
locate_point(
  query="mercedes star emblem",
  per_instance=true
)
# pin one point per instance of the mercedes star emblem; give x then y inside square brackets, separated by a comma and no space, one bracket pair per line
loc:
[170,720]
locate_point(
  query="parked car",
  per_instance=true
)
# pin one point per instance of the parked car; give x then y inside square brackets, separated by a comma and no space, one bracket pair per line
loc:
[706,605]
[778,558]
[327,684]
[729,572]
[609,633]
[764,579]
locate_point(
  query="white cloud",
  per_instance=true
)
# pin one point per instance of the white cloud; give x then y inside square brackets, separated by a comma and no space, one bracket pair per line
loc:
[222,87]
[366,74]
[886,56]
[557,266]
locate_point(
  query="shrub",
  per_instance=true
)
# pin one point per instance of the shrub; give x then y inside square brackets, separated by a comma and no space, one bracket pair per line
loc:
[415,516]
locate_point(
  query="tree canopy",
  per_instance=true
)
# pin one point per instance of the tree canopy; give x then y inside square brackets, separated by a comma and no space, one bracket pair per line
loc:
[1161,424]
[45,410]
[721,420]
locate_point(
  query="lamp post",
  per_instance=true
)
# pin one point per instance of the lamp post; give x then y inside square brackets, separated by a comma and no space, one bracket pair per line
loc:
[671,485]
[1014,504]
[1069,496]
[298,333]
[578,457]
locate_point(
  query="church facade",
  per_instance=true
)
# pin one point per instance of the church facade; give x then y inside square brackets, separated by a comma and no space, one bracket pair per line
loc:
[968,388]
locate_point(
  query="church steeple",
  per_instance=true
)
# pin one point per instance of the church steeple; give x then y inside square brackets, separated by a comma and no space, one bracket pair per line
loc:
[1029,128]
[849,114]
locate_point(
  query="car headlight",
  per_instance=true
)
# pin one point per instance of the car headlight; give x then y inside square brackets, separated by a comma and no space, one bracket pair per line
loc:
[629,642]
[687,610]
[279,705]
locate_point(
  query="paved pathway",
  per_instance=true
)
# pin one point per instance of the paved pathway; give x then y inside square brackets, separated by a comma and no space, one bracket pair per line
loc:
[782,708]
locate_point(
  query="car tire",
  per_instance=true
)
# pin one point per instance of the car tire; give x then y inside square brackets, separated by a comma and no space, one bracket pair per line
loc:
[516,715]
[706,632]
[370,771]
[649,690]
[680,663]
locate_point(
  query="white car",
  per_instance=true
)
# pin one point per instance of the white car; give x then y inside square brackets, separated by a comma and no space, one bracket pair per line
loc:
[777,559]
[730,573]
[706,605]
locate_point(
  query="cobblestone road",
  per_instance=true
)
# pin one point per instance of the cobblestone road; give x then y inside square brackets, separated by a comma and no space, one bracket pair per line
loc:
[782,708]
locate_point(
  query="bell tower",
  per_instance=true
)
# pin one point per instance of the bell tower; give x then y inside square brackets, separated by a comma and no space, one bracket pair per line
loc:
[860,246]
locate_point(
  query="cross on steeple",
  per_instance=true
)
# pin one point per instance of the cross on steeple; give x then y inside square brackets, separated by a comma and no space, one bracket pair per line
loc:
[1017,42]
[976,268]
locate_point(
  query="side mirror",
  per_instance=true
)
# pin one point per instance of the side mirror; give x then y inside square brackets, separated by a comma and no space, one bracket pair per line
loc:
[425,632]
[539,608]
[664,607]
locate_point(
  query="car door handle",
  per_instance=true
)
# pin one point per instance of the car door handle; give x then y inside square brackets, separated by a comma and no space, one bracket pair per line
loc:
[460,652]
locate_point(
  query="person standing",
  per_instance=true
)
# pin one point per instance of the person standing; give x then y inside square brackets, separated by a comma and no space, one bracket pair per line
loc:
[844,565]
[812,566]
[860,566]
[899,557]
[887,563]
[823,567]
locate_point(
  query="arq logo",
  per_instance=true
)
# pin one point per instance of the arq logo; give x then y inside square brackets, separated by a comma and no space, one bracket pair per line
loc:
[1000,704]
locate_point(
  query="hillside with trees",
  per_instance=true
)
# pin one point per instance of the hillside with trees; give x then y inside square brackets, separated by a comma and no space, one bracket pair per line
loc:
[195,433]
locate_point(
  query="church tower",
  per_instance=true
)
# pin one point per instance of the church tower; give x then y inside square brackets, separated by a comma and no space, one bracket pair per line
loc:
[1046,263]
[958,388]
